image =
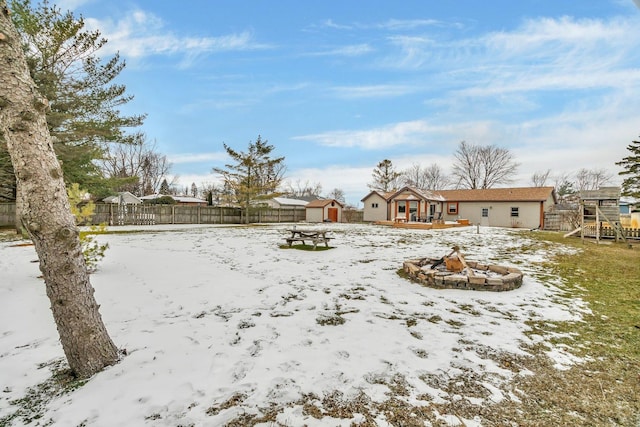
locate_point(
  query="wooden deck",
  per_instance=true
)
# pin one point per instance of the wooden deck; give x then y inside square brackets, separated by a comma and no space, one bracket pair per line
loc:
[424,225]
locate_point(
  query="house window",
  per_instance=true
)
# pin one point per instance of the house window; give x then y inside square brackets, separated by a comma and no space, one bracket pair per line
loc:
[374,205]
[485,212]
[452,208]
[402,208]
[515,212]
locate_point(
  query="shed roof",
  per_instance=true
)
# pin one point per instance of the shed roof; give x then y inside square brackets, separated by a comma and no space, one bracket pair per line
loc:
[603,193]
[123,197]
[290,202]
[518,194]
[321,203]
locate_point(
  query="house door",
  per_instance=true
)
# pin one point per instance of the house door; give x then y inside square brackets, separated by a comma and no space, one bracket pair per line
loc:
[333,214]
[484,218]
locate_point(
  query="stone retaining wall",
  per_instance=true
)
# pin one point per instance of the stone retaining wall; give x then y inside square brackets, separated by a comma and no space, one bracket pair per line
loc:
[486,277]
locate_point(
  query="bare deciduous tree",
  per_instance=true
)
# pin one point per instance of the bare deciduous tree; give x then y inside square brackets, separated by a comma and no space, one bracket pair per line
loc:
[478,166]
[539,179]
[337,194]
[426,178]
[302,189]
[592,179]
[414,176]
[436,178]
[138,168]
[45,211]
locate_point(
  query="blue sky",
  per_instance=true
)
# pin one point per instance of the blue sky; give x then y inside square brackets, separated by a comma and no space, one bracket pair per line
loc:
[338,86]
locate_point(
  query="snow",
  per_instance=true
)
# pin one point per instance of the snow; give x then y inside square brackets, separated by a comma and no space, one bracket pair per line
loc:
[207,313]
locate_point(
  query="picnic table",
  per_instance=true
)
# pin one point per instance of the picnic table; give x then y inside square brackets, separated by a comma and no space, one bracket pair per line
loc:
[314,236]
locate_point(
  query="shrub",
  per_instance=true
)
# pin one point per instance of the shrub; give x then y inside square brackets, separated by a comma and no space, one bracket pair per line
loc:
[82,209]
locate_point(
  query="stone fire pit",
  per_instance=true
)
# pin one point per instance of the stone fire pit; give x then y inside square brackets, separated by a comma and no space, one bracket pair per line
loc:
[445,273]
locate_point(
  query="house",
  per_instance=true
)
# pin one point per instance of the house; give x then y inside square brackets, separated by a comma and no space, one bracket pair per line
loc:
[498,207]
[324,210]
[180,200]
[124,197]
[521,207]
[286,203]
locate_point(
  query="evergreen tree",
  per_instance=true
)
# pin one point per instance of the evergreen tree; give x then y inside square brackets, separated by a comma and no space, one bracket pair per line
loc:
[194,189]
[631,172]
[385,177]
[84,102]
[255,175]
[164,187]
[45,212]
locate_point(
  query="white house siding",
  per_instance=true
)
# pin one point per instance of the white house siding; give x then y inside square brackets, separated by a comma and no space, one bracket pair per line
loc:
[499,214]
[371,213]
[315,214]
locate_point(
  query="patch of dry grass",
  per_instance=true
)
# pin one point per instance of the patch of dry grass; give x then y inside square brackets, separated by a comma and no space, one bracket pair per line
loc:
[604,390]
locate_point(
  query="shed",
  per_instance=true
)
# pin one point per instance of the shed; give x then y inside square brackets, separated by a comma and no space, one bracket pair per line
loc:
[324,210]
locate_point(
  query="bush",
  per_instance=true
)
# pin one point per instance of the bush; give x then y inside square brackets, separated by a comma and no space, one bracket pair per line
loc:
[164,200]
[92,251]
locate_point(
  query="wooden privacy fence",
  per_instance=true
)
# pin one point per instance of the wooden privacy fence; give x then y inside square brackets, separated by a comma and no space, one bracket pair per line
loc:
[7,214]
[114,214]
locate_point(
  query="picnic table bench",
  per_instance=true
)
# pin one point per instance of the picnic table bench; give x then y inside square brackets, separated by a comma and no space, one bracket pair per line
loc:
[314,236]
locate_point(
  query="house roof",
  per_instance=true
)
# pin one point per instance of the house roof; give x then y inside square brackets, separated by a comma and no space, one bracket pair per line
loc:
[290,202]
[180,199]
[384,195]
[321,203]
[520,194]
[415,194]
[125,197]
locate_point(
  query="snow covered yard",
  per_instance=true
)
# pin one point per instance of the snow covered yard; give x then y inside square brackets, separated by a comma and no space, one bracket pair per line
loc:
[221,325]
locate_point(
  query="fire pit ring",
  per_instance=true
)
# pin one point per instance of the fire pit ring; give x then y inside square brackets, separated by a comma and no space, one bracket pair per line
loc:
[434,273]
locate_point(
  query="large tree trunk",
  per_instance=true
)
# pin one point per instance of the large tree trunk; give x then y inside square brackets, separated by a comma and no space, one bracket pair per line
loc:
[45,211]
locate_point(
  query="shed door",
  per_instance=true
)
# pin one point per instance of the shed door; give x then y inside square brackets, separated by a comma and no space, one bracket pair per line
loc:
[333,214]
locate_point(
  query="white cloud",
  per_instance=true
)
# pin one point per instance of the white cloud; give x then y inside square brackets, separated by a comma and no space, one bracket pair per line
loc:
[142,34]
[415,133]
[379,138]
[349,51]
[197,157]
[372,91]
[410,24]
